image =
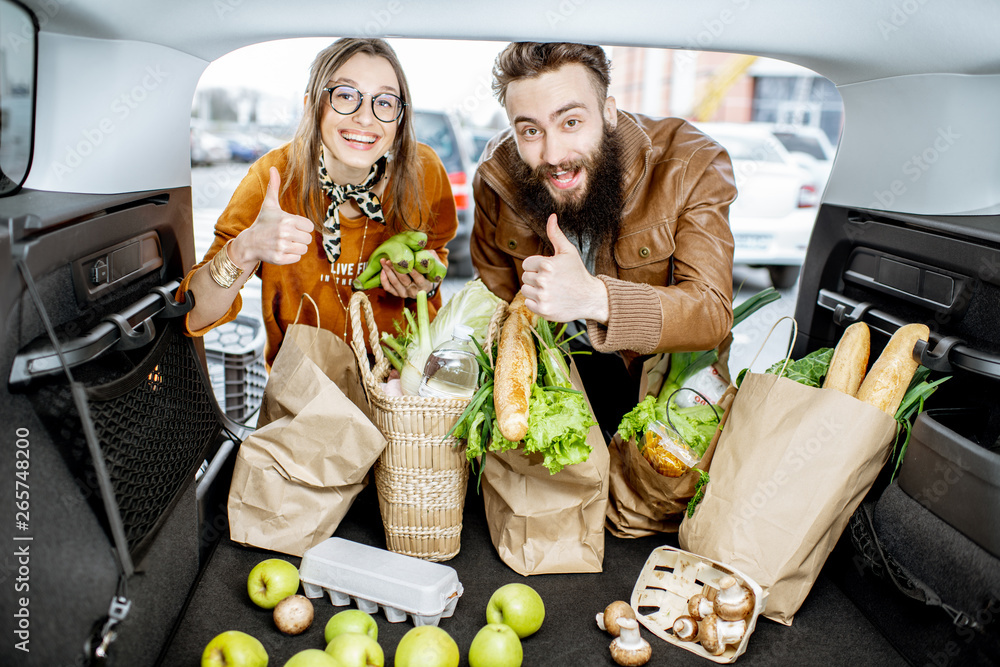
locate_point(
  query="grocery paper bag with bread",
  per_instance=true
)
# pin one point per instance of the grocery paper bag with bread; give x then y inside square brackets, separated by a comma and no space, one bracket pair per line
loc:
[543,462]
[663,450]
[803,445]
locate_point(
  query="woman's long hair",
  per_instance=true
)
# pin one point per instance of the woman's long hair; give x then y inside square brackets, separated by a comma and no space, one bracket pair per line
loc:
[405,189]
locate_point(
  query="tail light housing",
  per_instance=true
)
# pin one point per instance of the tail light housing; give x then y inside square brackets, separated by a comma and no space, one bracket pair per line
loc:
[808,196]
[458,178]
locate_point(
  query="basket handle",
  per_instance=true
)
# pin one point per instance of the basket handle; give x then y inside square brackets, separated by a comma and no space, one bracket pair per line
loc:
[359,302]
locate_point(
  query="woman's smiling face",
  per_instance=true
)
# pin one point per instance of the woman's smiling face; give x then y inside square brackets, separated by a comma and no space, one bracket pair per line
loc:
[352,143]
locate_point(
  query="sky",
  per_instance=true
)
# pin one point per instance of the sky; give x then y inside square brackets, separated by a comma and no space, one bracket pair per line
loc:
[443,74]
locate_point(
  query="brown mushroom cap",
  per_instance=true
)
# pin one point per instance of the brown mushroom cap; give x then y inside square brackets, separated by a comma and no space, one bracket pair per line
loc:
[685,628]
[715,634]
[699,607]
[733,601]
[708,635]
[630,650]
[613,613]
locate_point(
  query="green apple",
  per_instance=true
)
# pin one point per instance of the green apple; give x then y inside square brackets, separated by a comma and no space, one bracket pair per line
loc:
[271,581]
[426,646]
[496,645]
[352,649]
[517,605]
[312,657]
[350,620]
[234,649]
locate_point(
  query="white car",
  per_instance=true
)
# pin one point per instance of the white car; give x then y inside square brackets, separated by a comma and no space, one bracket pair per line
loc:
[810,147]
[773,215]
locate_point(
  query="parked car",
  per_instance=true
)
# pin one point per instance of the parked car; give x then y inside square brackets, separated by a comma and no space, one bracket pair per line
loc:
[480,137]
[115,451]
[774,213]
[442,132]
[248,146]
[810,147]
[208,148]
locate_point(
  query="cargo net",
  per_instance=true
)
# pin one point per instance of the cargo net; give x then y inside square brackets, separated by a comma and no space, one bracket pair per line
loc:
[154,418]
[871,555]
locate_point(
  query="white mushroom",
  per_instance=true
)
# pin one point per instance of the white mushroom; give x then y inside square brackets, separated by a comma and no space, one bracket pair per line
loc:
[685,628]
[733,601]
[613,613]
[715,634]
[699,607]
[629,648]
[294,614]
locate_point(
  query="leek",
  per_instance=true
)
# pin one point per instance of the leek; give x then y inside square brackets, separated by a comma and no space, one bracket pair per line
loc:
[419,349]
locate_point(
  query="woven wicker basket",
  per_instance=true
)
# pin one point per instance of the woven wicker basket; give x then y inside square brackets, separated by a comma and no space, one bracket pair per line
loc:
[421,476]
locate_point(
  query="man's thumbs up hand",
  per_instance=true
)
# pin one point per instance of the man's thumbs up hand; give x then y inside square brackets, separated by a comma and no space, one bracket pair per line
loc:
[560,288]
[275,237]
[560,244]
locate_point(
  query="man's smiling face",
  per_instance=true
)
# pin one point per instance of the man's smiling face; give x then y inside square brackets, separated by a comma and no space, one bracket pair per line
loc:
[558,119]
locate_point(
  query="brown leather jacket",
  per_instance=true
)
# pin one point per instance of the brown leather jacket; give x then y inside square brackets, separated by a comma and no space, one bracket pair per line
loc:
[670,276]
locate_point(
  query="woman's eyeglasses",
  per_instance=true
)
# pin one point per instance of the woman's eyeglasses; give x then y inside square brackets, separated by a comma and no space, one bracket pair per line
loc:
[345,100]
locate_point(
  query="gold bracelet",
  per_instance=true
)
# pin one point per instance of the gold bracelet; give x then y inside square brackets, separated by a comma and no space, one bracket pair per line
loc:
[223,270]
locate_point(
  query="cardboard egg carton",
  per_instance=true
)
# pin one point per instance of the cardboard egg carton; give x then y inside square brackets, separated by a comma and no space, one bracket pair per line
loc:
[371,577]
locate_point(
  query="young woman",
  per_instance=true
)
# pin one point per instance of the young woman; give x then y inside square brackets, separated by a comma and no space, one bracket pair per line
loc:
[309,214]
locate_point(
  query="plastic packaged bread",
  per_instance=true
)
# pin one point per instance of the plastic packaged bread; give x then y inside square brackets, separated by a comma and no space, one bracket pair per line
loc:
[887,381]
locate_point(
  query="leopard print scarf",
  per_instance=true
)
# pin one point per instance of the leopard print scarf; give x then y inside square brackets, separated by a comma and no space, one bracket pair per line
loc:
[366,200]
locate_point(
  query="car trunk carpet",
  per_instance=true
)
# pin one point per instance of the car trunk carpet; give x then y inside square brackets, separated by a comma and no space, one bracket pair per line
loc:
[829,629]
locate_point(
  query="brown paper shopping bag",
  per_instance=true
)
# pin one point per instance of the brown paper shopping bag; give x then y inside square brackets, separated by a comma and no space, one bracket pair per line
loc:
[296,476]
[542,523]
[791,466]
[641,501]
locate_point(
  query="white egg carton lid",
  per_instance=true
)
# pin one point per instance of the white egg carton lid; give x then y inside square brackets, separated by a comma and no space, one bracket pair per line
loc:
[372,577]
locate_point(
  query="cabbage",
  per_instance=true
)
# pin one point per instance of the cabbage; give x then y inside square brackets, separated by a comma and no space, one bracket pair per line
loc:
[473,306]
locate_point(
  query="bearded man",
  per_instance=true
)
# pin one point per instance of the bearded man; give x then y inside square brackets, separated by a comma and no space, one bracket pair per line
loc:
[612,220]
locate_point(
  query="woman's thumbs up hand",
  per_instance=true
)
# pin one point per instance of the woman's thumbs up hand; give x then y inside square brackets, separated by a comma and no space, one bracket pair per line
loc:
[276,236]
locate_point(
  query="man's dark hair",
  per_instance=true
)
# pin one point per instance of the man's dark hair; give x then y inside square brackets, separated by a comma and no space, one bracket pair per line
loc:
[524,60]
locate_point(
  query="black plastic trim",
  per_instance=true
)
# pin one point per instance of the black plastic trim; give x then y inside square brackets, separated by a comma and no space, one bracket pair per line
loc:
[114,331]
[947,354]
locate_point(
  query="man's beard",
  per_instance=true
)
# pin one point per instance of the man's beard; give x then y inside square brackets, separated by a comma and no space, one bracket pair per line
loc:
[593,218]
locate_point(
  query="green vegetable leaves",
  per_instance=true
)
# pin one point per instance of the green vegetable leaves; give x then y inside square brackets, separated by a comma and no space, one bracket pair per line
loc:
[558,417]
[809,370]
[558,422]
[699,491]
[913,404]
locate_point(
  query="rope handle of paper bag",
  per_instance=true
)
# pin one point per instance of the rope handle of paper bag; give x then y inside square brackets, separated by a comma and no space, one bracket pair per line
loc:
[791,344]
[302,300]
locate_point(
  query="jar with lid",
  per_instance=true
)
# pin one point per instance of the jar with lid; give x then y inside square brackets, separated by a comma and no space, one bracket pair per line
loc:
[451,370]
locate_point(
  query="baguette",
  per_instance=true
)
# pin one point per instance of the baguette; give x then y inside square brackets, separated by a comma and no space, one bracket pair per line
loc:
[516,368]
[850,359]
[886,383]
